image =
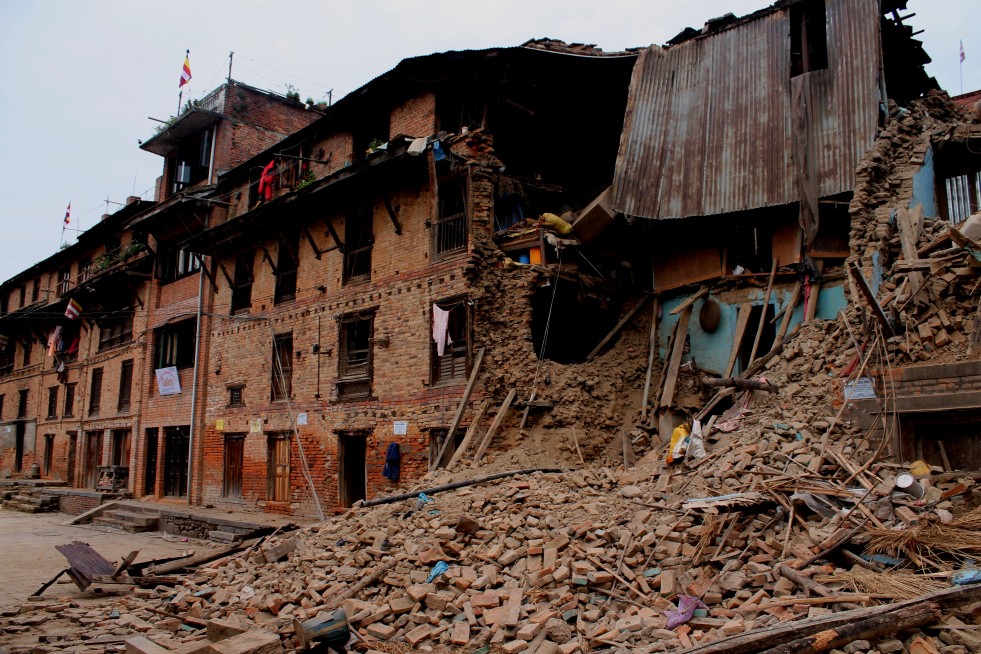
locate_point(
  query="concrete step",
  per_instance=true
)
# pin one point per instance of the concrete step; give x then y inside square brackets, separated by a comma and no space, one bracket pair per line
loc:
[23,507]
[224,536]
[121,525]
[148,520]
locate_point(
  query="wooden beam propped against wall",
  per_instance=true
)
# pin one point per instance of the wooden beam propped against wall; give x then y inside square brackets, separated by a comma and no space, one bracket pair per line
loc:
[333,234]
[313,244]
[268,257]
[380,192]
[224,271]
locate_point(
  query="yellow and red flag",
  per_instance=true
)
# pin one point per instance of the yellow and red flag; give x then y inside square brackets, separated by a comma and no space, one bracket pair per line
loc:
[186,72]
[68,213]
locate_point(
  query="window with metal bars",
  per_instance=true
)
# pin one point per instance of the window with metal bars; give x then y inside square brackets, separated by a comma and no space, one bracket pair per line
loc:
[963,195]
[355,360]
[450,230]
[282,367]
[236,395]
[125,386]
[358,241]
[64,281]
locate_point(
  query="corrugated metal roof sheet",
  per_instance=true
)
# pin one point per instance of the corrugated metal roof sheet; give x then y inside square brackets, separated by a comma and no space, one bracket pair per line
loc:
[708,123]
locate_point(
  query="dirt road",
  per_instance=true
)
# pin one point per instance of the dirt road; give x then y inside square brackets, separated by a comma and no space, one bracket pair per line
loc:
[30,559]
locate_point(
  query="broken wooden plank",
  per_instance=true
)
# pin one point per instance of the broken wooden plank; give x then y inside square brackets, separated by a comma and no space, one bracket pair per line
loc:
[753,384]
[742,322]
[651,356]
[207,557]
[498,419]
[674,364]
[702,292]
[620,325]
[459,410]
[788,314]
[863,287]
[766,303]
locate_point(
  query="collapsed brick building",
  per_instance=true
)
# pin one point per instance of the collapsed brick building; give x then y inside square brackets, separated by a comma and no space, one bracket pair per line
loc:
[302,269]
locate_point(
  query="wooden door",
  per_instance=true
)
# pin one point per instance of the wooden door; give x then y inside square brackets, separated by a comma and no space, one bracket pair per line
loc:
[176,444]
[93,458]
[234,457]
[279,469]
[150,476]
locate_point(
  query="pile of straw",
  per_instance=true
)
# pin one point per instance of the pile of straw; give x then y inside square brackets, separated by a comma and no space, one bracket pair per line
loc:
[930,538]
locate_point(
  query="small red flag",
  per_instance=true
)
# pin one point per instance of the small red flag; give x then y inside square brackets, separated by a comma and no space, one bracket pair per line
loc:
[186,72]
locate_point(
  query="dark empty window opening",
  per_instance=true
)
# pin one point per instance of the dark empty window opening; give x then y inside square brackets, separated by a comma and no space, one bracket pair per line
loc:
[578,322]
[6,357]
[36,288]
[359,238]
[288,262]
[22,403]
[69,409]
[450,231]
[749,249]
[192,162]
[808,37]
[28,348]
[454,111]
[370,133]
[454,363]
[175,344]
[282,367]
[749,336]
[242,286]
[52,403]
[354,361]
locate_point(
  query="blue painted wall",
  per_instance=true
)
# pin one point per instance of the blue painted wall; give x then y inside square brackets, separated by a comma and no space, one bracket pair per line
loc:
[711,351]
[925,187]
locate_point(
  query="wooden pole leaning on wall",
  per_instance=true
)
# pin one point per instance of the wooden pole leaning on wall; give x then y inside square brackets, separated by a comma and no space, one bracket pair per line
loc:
[651,356]
[459,410]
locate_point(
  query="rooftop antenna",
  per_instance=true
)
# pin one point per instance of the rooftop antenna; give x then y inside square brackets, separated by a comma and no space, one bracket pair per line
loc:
[231,54]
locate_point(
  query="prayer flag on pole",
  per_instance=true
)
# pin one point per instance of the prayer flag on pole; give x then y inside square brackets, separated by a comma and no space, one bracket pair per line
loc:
[963,57]
[73,310]
[186,71]
[68,213]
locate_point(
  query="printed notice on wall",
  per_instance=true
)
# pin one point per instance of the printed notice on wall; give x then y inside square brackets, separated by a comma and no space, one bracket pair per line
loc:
[301,418]
[220,424]
[860,389]
[401,427]
[255,426]
[168,382]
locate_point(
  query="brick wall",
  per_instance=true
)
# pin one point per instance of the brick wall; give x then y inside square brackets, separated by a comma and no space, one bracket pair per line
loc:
[76,503]
[414,117]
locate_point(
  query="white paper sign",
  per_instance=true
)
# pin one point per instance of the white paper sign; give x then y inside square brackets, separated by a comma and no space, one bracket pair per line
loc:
[255,426]
[401,427]
[301,418]
[860,389]
[168,382]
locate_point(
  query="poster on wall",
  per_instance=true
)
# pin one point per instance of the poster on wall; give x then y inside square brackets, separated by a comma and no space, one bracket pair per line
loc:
[301,419]
[168,382]
[401,427]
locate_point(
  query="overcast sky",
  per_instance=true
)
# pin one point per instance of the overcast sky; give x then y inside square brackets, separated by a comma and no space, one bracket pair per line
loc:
[79,79]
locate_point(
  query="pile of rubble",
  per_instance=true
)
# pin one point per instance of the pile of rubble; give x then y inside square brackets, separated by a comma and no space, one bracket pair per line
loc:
[789,530]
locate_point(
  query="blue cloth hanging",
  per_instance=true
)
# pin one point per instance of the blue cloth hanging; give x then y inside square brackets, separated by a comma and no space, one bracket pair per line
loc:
[393,459]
